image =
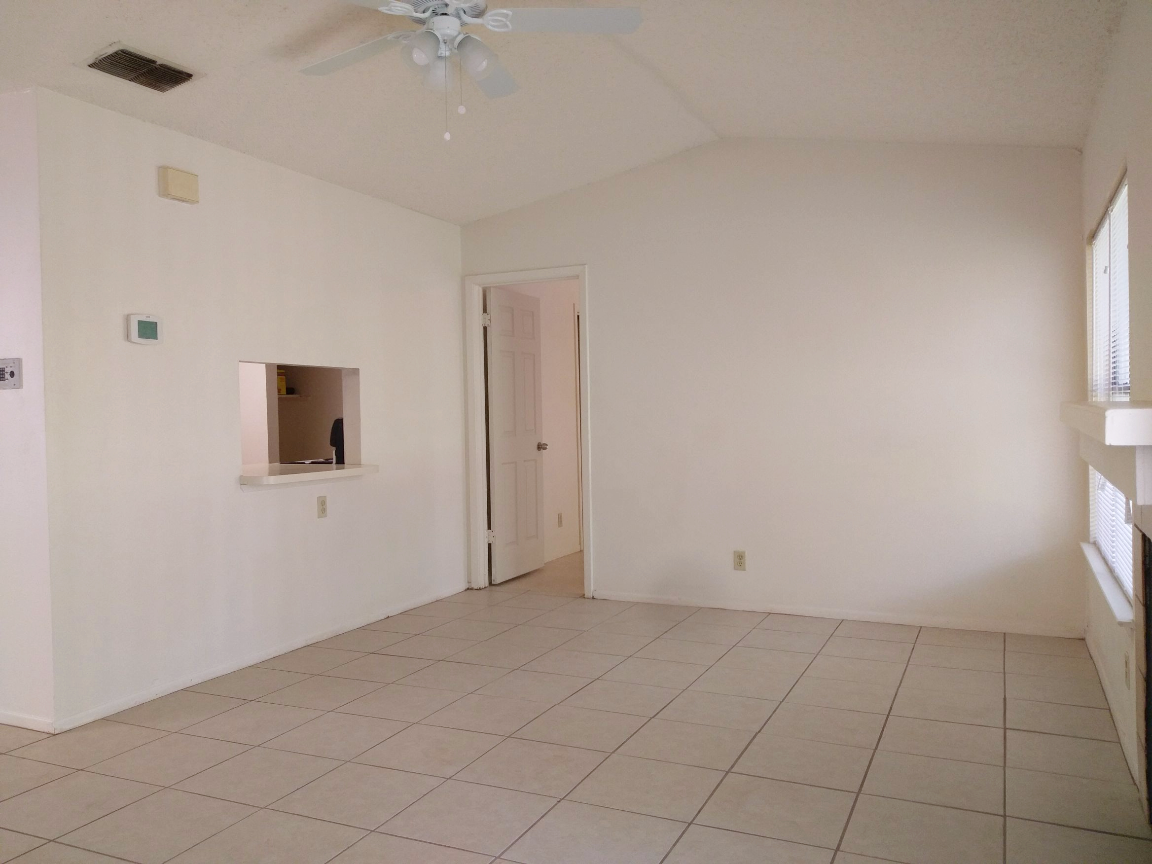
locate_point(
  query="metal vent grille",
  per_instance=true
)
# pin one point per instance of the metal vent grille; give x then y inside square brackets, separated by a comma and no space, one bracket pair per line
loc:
[139,69]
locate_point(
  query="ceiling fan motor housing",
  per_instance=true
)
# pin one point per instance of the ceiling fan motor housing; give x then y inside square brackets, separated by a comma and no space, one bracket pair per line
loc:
[447,27]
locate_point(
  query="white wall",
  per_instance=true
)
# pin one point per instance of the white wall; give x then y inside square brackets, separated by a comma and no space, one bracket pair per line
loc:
[254,416]
[25,594]
[166,571]
[1120,140]
[845,359]
[559,302]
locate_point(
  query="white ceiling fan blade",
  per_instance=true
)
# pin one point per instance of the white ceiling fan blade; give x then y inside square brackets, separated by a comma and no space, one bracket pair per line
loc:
[392,7]
[355,55]
[619,19]
[498,82]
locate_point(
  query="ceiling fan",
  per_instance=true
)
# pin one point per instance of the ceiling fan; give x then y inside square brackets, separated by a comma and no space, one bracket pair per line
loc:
[441,37]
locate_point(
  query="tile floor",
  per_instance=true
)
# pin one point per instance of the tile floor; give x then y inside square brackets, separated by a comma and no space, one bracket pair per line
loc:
[521,724]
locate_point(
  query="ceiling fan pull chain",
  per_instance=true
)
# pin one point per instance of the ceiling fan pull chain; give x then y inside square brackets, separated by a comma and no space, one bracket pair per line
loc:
[447,95]
[460,109]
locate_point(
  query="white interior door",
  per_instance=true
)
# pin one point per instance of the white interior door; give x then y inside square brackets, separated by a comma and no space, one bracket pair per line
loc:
[515,437]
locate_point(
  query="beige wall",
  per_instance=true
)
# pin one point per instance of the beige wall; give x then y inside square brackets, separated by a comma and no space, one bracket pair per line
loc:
[559,302]
[845,359]
[165,571]
[1120,141]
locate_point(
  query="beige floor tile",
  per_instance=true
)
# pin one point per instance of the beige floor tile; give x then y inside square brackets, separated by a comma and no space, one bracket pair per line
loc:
[961,638]
[580,727]
[582,664]
[646,786]
[753,683]
[1075,801]
[681,651]
[800,624]
[503,654]
[19,775]
[458,677]
[504,614]
[534,686]
[849,858]
[659,673]
[425,647]
[12,737]
[621,698]
[866,649]
[250,683]
[398,702]
[362,796]
[177,710]
[379,668]
[603,642]
[783,640]
[923,833]
[57,853]
[726,617]
[433,750]
[1046,645]
[467,816]
[475,631]
[1049,665]
[169,760]
[543,602]
[535,636]
[1062,719]
[568,619]
[830,725]
[322,692]
[846,695]
[712,634]
[688,743]
[405,623]
[1036,843]
[384,849]
[701,845]
[952,657]
[259,776]
[767,660]
[971,681]
[362,640]
[785,811]
[967,785]
[253,723]
[1080,757]
[310,660]
[657,611]
[88,744]
[64,805]
[480,598]
[815,763]
[13,845]
[337,735]
[648,627]
[851,669]
[581,834]
[159,827]
[533,766]
[268,836]
[963,742]
[1085,692]
[444,609]
[495,715]
[719,709]
[873,630]
[952,707]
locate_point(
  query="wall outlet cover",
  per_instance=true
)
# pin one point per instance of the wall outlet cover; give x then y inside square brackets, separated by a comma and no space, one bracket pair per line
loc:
[322,507]
[12,374]
[739,560]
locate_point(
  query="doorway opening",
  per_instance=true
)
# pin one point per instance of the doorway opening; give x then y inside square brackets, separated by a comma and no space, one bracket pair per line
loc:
[528,466]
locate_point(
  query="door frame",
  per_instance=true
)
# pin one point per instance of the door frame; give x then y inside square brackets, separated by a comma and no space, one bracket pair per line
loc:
[476,433]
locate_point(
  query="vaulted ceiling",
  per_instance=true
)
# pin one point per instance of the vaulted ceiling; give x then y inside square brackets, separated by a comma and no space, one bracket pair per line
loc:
[973,71]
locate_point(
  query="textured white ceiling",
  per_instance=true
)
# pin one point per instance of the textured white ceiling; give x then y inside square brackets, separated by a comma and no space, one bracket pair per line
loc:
[994,71]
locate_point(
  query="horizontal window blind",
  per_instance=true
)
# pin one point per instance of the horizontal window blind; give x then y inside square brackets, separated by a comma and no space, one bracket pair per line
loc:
[1110,530]
[1110,377]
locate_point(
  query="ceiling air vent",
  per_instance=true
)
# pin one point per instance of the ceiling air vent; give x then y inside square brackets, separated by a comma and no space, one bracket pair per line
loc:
[139,69]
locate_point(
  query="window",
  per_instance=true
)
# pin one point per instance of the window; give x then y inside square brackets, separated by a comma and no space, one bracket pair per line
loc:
[1110,528]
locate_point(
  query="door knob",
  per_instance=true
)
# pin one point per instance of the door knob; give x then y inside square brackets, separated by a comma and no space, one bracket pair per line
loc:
[541,446]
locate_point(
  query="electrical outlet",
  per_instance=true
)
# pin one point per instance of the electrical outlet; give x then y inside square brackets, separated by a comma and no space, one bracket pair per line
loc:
[739,561]
[11,374]
[559,520]
[322,507]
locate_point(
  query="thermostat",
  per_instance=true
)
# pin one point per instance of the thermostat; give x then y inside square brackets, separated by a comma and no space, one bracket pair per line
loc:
[144,329]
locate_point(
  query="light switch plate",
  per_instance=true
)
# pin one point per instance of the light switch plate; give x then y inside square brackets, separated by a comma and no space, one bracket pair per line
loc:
[12,374]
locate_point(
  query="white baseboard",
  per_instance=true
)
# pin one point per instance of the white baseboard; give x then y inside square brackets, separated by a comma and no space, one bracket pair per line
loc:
[36,724]
[139,698]
[951,622]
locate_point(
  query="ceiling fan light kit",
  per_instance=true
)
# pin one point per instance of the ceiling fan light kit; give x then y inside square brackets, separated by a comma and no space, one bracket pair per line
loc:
[430,49]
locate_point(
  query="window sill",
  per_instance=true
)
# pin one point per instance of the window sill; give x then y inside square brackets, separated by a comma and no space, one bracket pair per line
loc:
[1118,601]
[1117,424]
[282,475]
